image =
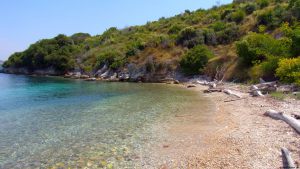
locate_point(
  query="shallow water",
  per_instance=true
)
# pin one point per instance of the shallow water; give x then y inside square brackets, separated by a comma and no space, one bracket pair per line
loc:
[60,123]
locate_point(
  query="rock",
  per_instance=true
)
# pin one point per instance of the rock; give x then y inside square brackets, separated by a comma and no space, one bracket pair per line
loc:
[91,79]
[176,82]
[84,76]
[106,74]
[124,76]
[101,71]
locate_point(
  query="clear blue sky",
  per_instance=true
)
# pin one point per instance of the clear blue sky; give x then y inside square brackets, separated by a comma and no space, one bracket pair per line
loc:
[23,22]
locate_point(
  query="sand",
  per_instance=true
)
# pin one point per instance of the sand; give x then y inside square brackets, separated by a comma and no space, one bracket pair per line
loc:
[239,136]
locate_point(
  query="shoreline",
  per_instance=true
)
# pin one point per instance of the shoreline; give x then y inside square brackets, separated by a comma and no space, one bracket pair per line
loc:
[242,137]
[239,136]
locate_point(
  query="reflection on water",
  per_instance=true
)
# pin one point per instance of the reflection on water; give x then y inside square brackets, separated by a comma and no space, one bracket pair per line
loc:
[60,123]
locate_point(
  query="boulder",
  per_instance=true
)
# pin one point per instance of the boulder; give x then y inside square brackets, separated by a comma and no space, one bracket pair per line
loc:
[101,71]
[124,76]
[84,76]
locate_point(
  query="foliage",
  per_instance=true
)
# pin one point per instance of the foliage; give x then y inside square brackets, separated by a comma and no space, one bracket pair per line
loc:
[178,41]
[296,41]
[190,37]
[238,16]
[256,47]
[263,3]
[294,6]
[56,53]
[111,58]
[289,70]
[250,8]
[195,60]
[229,34]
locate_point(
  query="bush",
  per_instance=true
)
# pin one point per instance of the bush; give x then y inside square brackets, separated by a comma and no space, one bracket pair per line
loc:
[294,5]
[265,18]
[190,37]
[175,29]
[238,16]
[218,26]
[250,8]
[256,47]
[289,70]
[112,58]
[210,37]
[296,42]
[263,3]
[195,60]
[229,34]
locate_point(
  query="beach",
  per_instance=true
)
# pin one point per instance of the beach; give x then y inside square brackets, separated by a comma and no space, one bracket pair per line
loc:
[240,136]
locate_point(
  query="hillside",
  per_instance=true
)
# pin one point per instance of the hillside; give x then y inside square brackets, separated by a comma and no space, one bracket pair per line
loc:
[243,41]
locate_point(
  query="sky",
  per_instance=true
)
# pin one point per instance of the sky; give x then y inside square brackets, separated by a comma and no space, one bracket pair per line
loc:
[23,22]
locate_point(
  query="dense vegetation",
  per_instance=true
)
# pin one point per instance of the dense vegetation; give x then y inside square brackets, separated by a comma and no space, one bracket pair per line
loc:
[249,38]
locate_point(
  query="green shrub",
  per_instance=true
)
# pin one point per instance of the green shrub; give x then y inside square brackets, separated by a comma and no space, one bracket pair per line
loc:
[190,37]
[229,34]
[296,42]
[210,37]
[250,8]
[257,47]
[218,26]
[195,60]
[265,18]
[114,59]
[238,16]
[263,3]
[289,70]
[294,5]
[175,29]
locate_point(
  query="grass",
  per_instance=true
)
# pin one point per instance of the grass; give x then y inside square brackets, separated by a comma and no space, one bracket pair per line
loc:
[283,96]
[278,95]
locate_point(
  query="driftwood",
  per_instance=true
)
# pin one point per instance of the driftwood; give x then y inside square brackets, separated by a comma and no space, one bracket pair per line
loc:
[284,117]
[257,93]
[212,90]
[202,82]
[288,162]
[229,92]
[296,116]
[232,100]
[263,88]
[190,85]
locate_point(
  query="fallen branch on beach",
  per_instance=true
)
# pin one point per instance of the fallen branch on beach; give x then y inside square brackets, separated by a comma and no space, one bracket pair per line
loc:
[212,90]
[229,92]
[287,160]
[232,100]
[284,117]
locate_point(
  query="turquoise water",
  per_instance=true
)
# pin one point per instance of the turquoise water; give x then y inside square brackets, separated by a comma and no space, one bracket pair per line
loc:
[59,123]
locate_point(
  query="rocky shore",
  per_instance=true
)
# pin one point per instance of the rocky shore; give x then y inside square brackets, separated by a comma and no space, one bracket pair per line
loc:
[132,73]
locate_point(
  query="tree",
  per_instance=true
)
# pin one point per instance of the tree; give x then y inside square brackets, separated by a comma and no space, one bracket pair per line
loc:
[195,60]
